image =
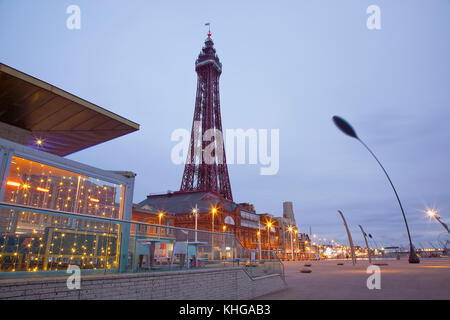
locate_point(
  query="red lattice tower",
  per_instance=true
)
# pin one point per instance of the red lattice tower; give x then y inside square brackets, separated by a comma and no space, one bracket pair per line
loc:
[201,175]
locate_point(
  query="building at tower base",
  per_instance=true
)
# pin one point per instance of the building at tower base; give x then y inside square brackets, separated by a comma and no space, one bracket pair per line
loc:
[240,219]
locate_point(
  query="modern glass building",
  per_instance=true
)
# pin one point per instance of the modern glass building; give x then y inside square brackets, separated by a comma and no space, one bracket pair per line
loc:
[54,211]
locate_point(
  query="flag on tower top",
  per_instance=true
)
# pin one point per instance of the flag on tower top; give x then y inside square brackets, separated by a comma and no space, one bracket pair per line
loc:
[209,28]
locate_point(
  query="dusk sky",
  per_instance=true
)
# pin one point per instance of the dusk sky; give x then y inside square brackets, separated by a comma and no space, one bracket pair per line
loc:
[287,65]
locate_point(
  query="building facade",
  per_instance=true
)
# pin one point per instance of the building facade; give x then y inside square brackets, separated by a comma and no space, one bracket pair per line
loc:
[209,211]
[288,233]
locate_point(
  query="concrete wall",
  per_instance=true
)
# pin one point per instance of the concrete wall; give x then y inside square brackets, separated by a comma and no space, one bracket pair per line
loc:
[211,284]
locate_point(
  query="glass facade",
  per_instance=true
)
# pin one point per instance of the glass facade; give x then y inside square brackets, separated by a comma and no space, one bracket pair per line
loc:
[41,240]
[45,242]
[38,185]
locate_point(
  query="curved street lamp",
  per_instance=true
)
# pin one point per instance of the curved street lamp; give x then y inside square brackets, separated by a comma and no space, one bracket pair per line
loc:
[346,128]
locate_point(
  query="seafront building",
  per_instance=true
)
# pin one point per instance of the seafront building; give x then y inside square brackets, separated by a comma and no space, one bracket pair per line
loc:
[49,204]
[240,219]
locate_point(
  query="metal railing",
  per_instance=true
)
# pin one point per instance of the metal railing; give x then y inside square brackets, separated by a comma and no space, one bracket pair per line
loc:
[44,242]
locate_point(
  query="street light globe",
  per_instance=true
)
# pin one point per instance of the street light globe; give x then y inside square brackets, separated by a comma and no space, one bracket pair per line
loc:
[431,212]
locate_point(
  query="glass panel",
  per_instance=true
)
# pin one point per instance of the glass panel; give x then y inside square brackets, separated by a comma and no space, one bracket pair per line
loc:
[32,241]
[38,185]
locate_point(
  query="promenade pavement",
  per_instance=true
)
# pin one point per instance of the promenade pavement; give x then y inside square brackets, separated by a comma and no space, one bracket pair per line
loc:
[399,280]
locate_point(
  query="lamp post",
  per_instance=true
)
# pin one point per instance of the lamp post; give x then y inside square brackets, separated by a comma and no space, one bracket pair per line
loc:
[307,250]
[346,128]
[269,225]
[314,243]
[195,213]
[213,212]
[259,242]
[292,245]
[296,242]
[224,228]
[433,214]
[160,215]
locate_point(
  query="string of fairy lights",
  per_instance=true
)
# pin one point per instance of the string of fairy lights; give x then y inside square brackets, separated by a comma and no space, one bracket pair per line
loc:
[35,241]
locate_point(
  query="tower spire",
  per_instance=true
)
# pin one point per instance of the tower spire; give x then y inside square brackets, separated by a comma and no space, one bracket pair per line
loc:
[209,28]
[206,166]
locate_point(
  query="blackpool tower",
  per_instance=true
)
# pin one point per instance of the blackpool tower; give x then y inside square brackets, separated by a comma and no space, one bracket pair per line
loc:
[206,165]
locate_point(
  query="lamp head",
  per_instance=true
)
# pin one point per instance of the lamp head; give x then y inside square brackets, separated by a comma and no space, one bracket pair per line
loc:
[345,127]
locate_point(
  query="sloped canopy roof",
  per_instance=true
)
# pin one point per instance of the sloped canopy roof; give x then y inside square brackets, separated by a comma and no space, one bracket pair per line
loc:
[63,122]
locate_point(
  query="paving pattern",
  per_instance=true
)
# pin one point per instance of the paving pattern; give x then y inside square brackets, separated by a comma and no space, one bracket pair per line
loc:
[399,280]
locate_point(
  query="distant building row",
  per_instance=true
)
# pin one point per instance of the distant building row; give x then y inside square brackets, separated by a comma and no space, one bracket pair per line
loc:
[254,230]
